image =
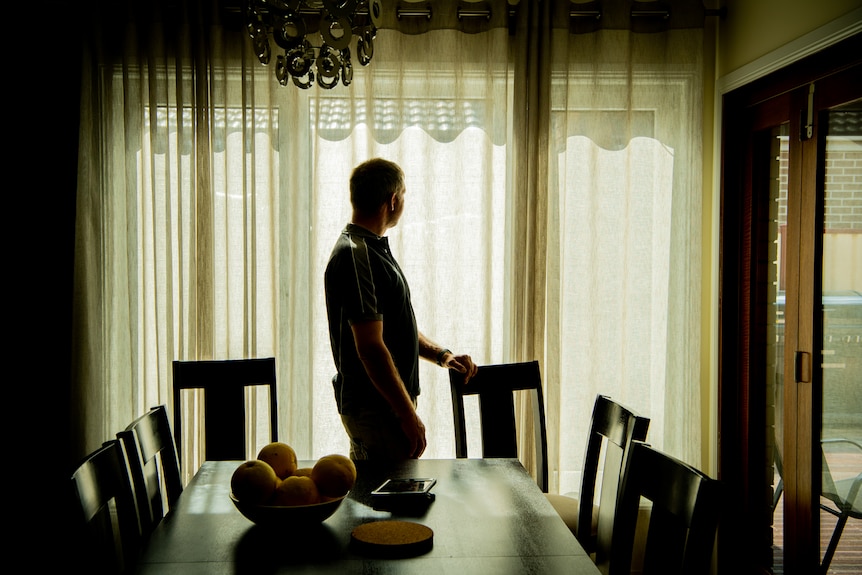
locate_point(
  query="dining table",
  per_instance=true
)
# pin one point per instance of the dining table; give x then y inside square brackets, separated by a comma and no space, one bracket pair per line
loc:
[486,516]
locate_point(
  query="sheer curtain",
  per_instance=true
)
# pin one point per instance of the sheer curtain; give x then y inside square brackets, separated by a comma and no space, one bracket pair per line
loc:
[444,121]
[210,198]
[552,188]
[178,241]
[624,236]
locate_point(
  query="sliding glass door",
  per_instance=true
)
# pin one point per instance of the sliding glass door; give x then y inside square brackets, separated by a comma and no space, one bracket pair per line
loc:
[810,312]
[841,360]
[792,322]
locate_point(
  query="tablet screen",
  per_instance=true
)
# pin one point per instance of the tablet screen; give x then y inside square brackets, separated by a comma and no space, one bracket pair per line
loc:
[405,486]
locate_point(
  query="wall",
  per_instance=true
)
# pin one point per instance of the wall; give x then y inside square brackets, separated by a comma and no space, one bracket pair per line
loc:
[754,28]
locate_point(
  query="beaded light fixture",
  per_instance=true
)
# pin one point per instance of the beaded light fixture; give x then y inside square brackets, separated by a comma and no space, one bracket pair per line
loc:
[313,37]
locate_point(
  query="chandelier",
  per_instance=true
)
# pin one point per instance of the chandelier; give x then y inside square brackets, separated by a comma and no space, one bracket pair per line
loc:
[313,37]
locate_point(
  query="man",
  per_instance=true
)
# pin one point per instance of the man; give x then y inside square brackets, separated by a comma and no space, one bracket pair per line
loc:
[376,344]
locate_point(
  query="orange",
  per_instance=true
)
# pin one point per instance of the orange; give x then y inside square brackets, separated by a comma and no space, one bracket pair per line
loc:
[303,472]
[334,475]
[281,457]
[254,482]
[296,491]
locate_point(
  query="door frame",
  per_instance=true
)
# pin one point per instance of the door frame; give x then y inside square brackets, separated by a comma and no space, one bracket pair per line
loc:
[741,364]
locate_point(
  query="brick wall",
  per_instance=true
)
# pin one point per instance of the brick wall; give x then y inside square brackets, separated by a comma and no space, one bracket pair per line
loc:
[843,186]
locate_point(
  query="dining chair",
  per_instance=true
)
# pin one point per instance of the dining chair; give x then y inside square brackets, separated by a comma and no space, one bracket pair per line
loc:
[101,488]
[155,469]
[224,383]
[778,490]
[495,386]
[683,519]
[844,494]
[612,427]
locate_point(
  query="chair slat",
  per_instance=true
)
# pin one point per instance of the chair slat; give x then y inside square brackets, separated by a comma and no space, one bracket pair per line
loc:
[224,383]
[495,386]
[613,427]
[685,509]
[155,469]
[100,485]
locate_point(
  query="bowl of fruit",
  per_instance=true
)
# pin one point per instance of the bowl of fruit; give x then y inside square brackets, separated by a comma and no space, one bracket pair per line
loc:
[273,491]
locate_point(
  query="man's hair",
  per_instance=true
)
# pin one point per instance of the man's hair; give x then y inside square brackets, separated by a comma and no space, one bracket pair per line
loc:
[372,183]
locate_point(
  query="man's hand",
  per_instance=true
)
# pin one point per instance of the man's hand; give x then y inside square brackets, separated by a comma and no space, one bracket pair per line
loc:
[462,364]
[414,429]
[384,375]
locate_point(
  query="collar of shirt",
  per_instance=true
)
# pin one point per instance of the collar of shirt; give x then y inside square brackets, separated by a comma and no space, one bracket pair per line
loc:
[356,230]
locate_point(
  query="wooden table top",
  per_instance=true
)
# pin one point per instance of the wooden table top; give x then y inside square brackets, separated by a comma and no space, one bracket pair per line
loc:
[488,516]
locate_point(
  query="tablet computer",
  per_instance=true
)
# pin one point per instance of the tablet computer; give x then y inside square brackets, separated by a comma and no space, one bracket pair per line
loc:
[408,487]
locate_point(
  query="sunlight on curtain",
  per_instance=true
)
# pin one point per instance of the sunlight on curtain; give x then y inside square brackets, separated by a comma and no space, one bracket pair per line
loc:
[444,123]
[178,229]
[624,289]
[217,203]
[236,276]
[446,244]
[210,197]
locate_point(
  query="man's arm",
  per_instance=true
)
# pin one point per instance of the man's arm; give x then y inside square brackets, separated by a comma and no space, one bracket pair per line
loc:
[445,358]
[379,365]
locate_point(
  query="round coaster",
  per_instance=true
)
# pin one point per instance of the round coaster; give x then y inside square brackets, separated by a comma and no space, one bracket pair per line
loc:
[392,539]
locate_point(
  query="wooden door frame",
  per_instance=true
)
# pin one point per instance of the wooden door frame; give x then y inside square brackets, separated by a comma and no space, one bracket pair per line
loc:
[742,537]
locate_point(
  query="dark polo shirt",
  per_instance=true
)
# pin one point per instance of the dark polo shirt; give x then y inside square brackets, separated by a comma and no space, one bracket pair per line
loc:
[364,282]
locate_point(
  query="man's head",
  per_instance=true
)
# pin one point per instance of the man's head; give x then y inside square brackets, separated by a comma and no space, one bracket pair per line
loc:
[374,184]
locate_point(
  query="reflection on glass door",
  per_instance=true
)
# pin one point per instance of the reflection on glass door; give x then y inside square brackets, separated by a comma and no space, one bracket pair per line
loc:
[841,431]
[777,161]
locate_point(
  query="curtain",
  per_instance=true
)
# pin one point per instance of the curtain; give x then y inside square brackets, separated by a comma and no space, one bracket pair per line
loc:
[552,196]
[606,237]
[624,230]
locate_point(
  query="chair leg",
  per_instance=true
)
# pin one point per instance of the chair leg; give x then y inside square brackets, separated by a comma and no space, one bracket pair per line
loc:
[833,543]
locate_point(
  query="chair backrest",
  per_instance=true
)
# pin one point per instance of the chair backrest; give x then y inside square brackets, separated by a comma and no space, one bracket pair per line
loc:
[778,490]
[683,518]
[495,386]
[845,493]
[224,383]
[155,470]
[99,545]
[614,427]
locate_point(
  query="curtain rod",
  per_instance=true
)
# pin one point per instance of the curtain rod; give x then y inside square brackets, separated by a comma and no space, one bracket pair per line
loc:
[430,12]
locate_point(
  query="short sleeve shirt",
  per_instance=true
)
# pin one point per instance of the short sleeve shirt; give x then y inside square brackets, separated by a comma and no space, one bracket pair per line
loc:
[363,282]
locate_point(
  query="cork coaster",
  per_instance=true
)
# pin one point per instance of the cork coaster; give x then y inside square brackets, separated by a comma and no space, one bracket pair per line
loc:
[392,539]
